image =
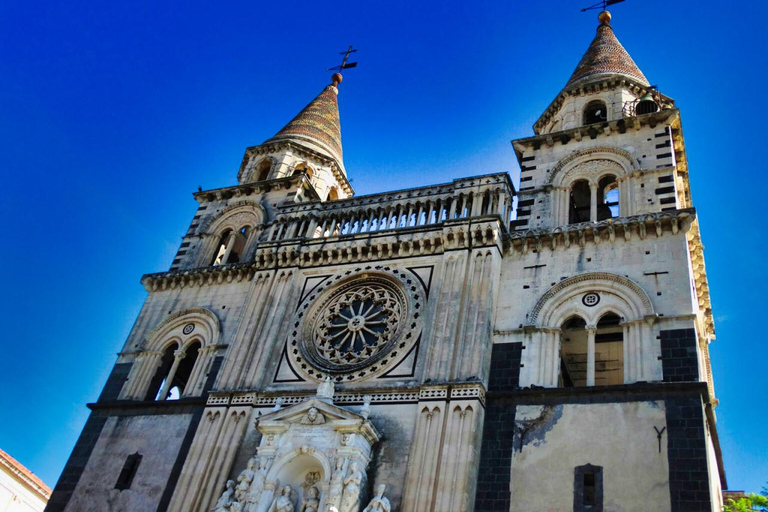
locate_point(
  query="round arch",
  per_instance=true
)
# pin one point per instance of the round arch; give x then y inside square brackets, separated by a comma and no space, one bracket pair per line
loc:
[616,161]
[617,294]
[234,216]
[206,330]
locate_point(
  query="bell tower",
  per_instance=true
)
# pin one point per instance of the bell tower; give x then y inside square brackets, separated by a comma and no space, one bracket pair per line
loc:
[608,147]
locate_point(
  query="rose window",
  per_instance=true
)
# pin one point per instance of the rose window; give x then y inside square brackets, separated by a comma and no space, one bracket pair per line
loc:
[357,324]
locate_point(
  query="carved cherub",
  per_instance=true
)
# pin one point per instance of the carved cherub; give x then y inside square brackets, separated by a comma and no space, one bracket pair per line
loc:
[311,501]
[313,417]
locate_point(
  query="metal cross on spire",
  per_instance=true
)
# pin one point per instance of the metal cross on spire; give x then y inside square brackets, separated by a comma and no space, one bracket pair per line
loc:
[600,5]
[344,65]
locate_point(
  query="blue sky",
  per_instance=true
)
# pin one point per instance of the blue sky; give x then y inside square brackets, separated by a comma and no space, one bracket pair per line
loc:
[112,113]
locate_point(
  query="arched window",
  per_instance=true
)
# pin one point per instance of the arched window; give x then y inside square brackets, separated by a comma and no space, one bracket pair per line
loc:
[172,376]
[573,353]
[301,169]
[333,194]
[609,351]
[262,170]
[607,198]
[580,202]
[595,112]
[592,355]
[231,246]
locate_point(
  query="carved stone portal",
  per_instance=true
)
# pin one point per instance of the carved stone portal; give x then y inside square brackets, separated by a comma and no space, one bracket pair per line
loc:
[312,457]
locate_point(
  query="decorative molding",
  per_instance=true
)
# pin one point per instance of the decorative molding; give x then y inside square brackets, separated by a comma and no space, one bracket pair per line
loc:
[608,230]
[248,205]
[592,278]
[590,154]
[199,316]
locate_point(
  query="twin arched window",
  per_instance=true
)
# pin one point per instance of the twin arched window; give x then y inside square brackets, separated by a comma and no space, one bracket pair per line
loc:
[591,355]
[231,246]
[172,377]
[593,202]
[175,359]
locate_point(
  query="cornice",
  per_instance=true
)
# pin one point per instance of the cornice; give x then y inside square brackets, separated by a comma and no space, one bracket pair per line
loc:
[434,239]
[258,187]
[594,131]
[605,231]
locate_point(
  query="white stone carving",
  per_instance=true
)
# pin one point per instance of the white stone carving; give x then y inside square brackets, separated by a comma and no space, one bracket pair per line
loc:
[313,417]
[357,323]
[226,502]
[312,501]
[350,498]
[244,480]
[299,444]
[336,487]
[379,503]
[285,502]
[325,390]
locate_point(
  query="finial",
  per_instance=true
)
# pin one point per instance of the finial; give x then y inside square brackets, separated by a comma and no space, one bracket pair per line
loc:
[336,78]
[604,17]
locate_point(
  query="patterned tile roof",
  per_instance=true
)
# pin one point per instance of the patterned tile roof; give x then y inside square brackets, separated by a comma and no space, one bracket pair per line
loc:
[606,55]
[317,126]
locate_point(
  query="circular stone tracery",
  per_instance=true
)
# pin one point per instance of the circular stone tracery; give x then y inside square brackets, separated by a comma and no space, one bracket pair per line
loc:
[355,326]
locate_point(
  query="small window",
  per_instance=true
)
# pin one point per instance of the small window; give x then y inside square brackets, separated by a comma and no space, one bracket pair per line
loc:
[128,472]
[595,112]
[588,489]
[607,198]
[333,194]
[262,170]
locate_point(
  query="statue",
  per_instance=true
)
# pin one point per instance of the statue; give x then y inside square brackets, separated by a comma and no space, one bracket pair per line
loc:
[326,390]
[278,404]
[379,503]
[365,410]
[311,501]
[257,485]
[284,502]
[226,503]
[313,417]
[333,501]
[244,480]
[351,496]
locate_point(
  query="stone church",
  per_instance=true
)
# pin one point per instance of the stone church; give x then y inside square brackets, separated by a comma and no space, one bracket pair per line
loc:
[463,346]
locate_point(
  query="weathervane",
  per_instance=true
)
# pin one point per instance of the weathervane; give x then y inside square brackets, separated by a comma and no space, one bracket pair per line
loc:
[344,64]
[600,5]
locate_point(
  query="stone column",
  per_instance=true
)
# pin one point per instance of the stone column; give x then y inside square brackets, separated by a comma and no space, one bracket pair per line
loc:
[591,331]
[629,374]
[177,357]
[593,203]
[422,464]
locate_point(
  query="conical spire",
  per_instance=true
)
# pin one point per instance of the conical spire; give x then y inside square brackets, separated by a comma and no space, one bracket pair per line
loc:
[317,126]
[606,56]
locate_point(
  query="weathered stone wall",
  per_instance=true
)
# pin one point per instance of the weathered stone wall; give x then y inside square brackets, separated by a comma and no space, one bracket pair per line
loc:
[157,438]
[552,441]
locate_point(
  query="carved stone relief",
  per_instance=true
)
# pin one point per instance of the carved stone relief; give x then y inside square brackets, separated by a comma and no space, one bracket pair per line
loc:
[312,458]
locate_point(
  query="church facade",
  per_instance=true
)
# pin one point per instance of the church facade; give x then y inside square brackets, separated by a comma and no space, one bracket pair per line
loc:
[458,347]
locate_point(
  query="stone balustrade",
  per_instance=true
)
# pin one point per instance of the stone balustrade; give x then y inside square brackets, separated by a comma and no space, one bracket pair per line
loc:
[406,209]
